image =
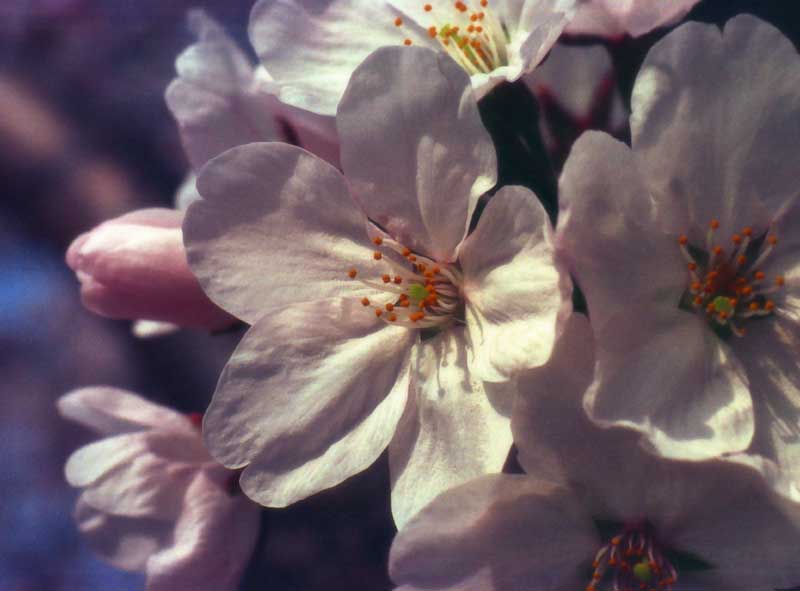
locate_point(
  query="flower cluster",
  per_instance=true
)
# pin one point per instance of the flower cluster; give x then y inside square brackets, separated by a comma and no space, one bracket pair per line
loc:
[411,283]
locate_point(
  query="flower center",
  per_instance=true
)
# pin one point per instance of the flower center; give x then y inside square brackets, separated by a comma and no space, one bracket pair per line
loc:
[633,561]
[728,285]
[469,32]
[414,291]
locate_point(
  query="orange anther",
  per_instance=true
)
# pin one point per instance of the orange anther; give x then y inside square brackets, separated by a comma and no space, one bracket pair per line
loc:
[470,29]
[392,317]
[377,255]
[377,241]
[461,6]
[698,300]
[407,42]
[741,260]
[714,224]
[733,302]
[723,315]
[415,316]
[398,22]
[753,306]
[747,231]
[389,307]
[615,541]
[736,239]
[352,273]
[386,278]
[780,281]
[404,303]
[692,266]
[759,275]
[769,305]
[436,269]
[717,250]
[479,29]
[412,258]
[696,286]
[432,31]
[746,290]
[378,312]
[473,17]
[365,301]
[596,576]
[484,3]
[406,252]
[773,240]
[429,274]
[398,280]
[428,7]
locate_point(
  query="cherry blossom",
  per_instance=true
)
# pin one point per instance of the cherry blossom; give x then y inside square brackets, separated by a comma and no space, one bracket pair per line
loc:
[595,511]
[153,500]
[685,247]
[311,47]
[375,318]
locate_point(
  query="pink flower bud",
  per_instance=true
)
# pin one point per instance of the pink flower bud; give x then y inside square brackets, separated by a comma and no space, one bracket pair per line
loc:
[135,267]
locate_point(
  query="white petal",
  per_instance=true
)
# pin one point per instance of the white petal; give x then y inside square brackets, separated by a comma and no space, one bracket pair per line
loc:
[213,540]
[111,411]
[454,429]
[311,47]
[137,474]
[302,379]
[667,375]
[743,533]
[423,185]
[710,114]
[125,542]
[610,233]
[275,226]
[768,353]
[214,98]
[513,289]
[496,533]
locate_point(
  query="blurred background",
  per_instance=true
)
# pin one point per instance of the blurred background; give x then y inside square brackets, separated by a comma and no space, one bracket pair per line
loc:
[85,136]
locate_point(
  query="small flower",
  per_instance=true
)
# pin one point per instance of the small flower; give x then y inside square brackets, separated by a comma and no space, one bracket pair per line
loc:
[685,247]
[312,51]
[612,18]
[135,267]
[153,500]
[342,276]
[596,512]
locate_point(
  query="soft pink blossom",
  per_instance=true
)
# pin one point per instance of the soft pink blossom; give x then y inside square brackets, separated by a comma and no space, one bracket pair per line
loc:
[152,498]
[135,267]
[331,273]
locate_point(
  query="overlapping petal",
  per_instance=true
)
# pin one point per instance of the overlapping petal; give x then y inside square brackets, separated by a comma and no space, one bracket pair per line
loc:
[423,185]
[610,231]
[455,427]
[513,289]
[303,379]
[276,226]
[498,532]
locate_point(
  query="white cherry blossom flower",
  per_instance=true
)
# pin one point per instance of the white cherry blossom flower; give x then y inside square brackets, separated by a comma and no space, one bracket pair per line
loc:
[686,249]
[312,46]
[341,275]
[595,511]
[153,499]
[614,18]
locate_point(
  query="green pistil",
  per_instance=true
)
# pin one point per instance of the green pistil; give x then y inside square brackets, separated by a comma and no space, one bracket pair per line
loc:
[722,304]
[642,571]
[417,293]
